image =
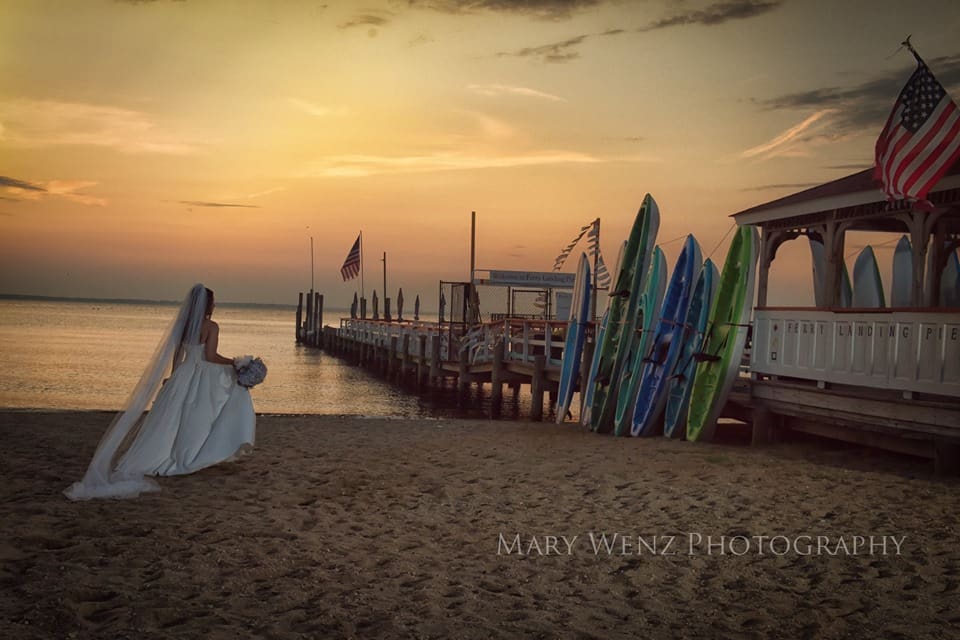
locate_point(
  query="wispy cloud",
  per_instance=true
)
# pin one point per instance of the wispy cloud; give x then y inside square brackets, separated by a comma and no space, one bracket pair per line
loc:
[545,9]
[563,51]
[19,184]
[371,21]
[369,165]
[202,203]
[67,189]
[420,40]
[715,14]
[491,128]
[865,106]
[495,90]
[794,185]
[316,110]
[47,123]
[782,143]
[265,192]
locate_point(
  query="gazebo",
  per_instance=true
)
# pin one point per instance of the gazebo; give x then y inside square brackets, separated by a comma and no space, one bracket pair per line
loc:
[886,377]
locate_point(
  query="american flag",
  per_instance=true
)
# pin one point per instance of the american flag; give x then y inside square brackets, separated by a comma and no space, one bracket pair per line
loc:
[351,266]
[920,141]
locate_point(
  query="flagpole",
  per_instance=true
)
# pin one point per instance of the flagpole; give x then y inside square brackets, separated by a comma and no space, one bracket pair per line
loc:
[361,264]
[906,43]
[596,281]
[311,263]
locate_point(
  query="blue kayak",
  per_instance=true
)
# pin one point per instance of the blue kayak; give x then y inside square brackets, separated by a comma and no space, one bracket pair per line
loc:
[695,327]
[666,342]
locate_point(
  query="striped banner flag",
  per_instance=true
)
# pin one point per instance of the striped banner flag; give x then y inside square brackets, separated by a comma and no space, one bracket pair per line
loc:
[593,240]
[565,253]
[921,139]
[351,266]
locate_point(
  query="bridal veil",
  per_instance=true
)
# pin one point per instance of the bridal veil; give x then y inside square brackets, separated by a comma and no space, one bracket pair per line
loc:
[100,479]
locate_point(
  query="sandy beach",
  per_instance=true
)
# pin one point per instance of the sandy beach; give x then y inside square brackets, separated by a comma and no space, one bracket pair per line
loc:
[351,527]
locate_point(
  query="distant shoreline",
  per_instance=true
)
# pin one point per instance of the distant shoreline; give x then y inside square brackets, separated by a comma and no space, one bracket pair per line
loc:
[34,298]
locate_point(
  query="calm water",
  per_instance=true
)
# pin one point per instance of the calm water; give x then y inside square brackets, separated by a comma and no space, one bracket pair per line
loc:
[89,355]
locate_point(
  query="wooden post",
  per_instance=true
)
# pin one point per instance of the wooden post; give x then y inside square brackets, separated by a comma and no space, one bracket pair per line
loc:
[435,360]
[421,359]
[299,315]
[392,357]
[763,426]
[462,378]
[946,458]
[496,376]
[536,386]
[308,323]
[585,363]
[405,354]
[317,319]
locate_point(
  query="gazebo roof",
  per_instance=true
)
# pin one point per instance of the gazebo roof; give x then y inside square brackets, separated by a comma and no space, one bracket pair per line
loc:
[855,190]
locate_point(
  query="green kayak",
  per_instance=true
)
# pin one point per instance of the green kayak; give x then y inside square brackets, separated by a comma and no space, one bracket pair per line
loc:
[718,362]
[626,294]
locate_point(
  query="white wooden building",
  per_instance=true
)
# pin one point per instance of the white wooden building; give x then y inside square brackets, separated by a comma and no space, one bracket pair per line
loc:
[887,377]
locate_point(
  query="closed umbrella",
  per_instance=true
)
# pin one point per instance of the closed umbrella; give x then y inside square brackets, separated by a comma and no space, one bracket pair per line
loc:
[376,310]
[400,305]
[416,308]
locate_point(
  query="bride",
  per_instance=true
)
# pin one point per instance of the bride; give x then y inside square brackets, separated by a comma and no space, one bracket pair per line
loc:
[200,416]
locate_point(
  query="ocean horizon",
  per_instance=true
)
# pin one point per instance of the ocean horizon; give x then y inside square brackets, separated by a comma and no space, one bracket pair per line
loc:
[87,354]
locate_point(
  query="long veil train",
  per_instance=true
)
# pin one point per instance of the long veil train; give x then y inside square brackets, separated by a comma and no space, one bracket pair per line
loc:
[100,479]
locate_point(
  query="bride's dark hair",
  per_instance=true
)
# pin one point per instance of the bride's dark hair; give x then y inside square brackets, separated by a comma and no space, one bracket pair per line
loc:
[209,309]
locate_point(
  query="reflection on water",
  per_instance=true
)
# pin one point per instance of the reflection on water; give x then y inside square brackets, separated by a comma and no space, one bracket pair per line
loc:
[81,355]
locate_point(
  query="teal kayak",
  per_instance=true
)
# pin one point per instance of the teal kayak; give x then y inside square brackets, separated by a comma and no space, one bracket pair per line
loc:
[645,319]
[576,333]
[588,386]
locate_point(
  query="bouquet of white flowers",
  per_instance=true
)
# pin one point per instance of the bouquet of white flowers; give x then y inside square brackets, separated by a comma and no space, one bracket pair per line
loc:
[250,371]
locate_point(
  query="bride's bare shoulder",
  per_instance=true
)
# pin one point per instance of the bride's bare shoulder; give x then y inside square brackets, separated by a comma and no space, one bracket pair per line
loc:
[207,329]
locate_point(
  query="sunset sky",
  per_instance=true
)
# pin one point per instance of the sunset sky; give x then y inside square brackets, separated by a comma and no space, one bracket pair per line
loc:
[148,145]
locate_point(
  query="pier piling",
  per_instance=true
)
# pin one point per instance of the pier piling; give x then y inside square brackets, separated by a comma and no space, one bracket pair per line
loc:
[536,386]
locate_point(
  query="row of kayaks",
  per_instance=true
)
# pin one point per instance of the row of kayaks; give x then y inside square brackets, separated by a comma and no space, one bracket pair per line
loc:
[867,290]
[666,354]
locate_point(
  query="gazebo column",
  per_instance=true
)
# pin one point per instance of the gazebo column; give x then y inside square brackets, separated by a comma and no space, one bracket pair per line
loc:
[936,263]
[833,239]
[763,276]
[921,225]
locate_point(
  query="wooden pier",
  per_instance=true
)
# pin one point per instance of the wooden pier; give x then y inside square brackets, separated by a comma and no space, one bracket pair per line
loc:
[510,352]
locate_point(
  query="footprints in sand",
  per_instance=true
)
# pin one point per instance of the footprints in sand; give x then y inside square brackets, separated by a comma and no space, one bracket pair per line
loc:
[340,528]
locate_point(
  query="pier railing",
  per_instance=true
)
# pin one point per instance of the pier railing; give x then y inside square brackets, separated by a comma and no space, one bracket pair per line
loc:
[524,339]
[910,351]
[378,333]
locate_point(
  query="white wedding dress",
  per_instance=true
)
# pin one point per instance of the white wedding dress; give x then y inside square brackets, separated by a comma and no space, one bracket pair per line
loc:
[200,416]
